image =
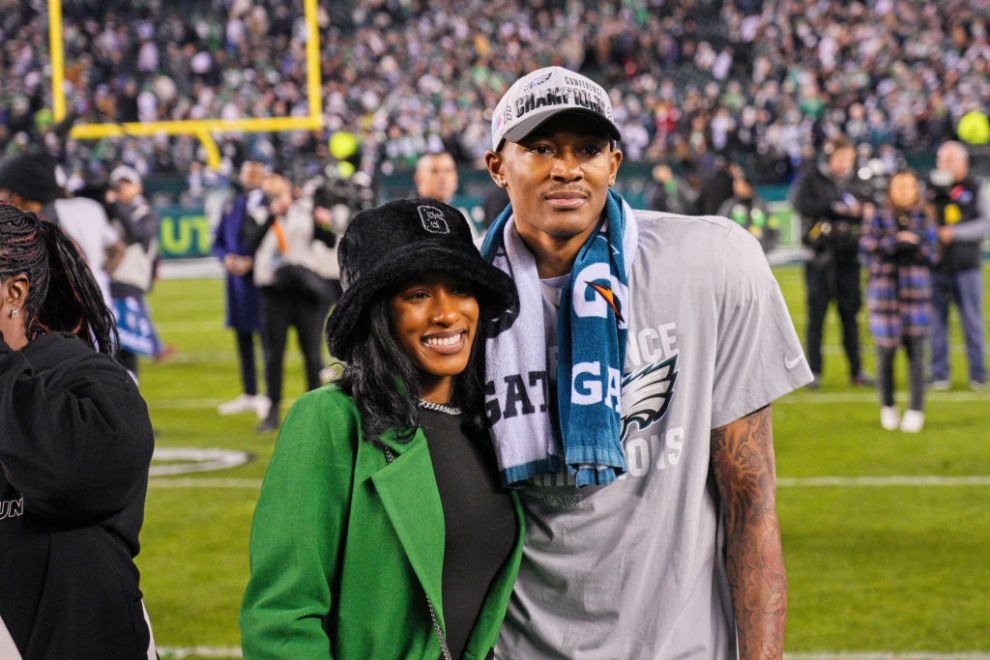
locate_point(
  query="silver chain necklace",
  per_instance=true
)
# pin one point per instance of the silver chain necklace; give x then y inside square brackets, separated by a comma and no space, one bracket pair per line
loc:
[439,407]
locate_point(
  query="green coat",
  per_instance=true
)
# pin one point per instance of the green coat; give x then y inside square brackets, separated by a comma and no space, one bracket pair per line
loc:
[344,546]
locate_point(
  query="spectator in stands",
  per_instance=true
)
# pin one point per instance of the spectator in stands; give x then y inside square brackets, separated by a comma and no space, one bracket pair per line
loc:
[750,212]
[962,210]
[131,280]
[899,244]
[831,223]
[243,315]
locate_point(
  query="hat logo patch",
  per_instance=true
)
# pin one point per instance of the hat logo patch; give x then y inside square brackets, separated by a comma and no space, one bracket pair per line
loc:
[537,82]
[432,219]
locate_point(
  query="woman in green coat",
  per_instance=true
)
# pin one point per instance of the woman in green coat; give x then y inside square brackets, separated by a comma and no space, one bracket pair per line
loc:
[381,530]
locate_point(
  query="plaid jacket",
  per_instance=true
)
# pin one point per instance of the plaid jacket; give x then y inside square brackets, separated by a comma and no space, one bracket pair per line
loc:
[900,288]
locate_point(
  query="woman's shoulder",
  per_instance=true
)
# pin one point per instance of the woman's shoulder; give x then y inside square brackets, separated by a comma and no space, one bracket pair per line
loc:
[328,401]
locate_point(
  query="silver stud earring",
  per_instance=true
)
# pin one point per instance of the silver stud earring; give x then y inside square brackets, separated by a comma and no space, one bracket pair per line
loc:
[13,313]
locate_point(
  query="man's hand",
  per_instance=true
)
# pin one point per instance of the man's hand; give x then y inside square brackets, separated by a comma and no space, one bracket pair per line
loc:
[946,234]
[743,464]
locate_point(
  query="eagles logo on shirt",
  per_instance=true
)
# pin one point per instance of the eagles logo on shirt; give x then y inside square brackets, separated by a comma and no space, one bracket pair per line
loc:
[646,394]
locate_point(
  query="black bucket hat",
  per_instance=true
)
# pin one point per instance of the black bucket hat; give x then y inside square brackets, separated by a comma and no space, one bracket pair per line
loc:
[394,242]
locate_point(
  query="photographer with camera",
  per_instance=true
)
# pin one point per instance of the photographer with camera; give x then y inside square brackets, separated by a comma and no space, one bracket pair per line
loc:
[831,224]
[962,211]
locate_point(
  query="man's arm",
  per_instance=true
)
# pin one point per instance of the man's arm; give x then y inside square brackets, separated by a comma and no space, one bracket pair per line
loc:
[743,464]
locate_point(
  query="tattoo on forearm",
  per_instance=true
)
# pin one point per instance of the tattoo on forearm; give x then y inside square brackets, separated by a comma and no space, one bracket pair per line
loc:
[743,464]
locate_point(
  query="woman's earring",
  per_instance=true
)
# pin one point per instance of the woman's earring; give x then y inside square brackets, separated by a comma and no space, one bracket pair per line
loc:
[13,313]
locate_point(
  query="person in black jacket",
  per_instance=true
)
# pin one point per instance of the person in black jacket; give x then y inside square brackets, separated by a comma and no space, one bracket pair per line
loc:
[831,222]
[75,446]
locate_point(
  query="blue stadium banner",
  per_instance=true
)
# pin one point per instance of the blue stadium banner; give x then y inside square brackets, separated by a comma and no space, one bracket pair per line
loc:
[185,232]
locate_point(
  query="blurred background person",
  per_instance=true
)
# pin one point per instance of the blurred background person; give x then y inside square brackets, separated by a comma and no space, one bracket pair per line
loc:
[668,192]
[831,222]
[750,212]
[899,245]
[436,176]
[29,182]
[295,270]
[137,225]
[243,307]
[75,448]
[962,210]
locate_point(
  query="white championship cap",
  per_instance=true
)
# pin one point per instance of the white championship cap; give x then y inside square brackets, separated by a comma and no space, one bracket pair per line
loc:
[124,173]
[539,95]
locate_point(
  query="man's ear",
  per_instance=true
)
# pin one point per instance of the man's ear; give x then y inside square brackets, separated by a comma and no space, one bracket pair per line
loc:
[616,158]
[494,162]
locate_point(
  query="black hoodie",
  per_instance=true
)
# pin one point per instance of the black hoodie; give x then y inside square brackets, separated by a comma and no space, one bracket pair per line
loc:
[75,445]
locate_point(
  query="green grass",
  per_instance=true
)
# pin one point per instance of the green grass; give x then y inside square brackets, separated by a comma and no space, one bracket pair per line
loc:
[898,569]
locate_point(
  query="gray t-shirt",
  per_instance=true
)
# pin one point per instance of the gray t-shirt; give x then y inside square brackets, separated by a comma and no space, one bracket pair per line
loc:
[633,569]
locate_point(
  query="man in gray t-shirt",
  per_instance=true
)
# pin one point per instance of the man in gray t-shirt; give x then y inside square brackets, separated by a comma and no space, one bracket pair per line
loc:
[680,557]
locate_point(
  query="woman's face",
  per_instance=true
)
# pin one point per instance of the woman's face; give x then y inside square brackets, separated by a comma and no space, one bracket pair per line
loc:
[434,320]
[904,190]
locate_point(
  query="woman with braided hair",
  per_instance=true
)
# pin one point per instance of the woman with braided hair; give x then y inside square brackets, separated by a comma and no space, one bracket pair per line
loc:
[75,445]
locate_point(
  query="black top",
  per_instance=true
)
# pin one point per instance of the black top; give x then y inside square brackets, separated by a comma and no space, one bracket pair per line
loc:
[479,519]
[958,204]
[75,445]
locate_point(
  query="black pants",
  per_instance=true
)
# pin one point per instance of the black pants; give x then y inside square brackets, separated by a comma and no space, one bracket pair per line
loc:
[914,347]
[279,311]
[838,281]
[245,351]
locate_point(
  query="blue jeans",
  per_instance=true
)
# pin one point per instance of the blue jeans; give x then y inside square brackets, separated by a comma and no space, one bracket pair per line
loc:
[965,289]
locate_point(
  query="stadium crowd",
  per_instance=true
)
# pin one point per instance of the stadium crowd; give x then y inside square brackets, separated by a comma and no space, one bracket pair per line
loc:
[760,82]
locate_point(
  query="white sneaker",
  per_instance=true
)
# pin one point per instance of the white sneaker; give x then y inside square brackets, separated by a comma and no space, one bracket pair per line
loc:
[242,404]
[941,385]
[890,417]
[262,404]
[913,421]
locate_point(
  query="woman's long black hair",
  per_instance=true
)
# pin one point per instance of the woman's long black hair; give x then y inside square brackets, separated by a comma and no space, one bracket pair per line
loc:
[63,294]
[384,382]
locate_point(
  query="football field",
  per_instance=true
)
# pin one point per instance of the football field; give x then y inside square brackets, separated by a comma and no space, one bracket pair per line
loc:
[886,535]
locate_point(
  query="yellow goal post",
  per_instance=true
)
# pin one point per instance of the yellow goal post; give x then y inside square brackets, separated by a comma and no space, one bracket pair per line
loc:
[204,129]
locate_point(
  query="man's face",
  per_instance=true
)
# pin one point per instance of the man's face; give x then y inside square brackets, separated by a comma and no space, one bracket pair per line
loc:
[126,190]
[436,177]
[952,158]
[840,163]
[557,177]
[252,174]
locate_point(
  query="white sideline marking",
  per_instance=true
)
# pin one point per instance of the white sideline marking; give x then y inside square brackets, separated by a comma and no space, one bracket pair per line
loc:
[246,484]
[870,396]
[233,652]
[821,398]
[783,482]
[195,459]
[203,651]
[881,482]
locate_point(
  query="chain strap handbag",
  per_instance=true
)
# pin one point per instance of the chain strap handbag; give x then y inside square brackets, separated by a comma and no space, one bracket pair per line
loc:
[445,651]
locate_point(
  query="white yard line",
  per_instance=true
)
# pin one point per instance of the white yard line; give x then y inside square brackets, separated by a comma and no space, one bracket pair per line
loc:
[811,398]
[917,481]
[880,655]
[232,652]
[882,482]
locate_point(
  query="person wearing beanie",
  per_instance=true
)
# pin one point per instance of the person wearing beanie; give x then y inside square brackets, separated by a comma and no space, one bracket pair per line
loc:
[28,182]
[647,474]
[381,530]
